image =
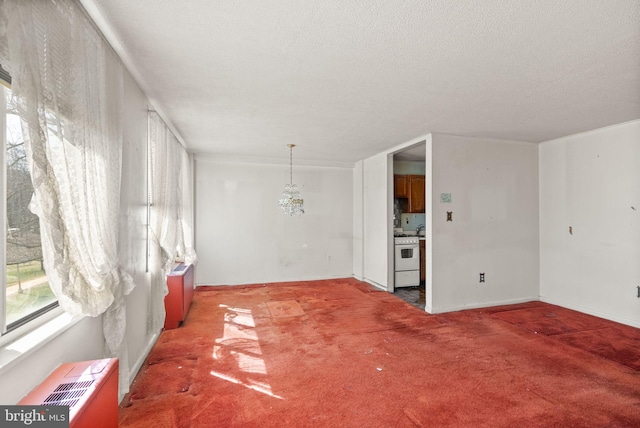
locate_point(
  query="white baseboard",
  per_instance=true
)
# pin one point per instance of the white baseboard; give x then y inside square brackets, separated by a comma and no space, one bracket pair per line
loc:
[591,311]
[273,280]
[453,308]
[375,284]
[140,361]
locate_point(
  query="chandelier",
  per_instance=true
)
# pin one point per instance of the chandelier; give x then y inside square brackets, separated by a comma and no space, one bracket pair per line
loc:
[291,202]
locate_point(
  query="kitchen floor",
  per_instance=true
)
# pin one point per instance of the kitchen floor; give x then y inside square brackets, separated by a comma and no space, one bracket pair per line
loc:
[412,295]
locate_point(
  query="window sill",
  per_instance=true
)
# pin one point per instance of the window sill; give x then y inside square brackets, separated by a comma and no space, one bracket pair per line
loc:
[26,340]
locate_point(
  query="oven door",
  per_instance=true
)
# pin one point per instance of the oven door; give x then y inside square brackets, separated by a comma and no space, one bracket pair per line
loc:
[407,257]
[407,278]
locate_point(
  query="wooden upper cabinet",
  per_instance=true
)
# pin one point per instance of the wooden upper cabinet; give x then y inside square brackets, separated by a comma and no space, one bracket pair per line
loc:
[410,189]
[400,186]
[416,197]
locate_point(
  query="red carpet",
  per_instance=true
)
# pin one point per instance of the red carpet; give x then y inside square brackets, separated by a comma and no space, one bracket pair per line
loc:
[610,340]
[339,353]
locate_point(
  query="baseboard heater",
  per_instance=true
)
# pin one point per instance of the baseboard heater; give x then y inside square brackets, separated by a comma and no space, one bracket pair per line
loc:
[89,388]
[181,287]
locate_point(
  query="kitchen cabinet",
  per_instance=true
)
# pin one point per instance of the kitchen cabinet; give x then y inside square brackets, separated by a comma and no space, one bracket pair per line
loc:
[416,194]
[423,262]
[400,186]
[410,190]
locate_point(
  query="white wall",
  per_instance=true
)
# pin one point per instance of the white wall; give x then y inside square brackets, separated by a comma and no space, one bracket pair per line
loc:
[358,220]
[242,236]
[494,192]
[591,183]
[84,340]
[376,220]
[133,224]
[428,223]
[409,167]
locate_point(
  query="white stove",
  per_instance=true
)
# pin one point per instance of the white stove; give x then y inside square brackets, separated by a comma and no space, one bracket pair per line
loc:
[405,240]
[407,261]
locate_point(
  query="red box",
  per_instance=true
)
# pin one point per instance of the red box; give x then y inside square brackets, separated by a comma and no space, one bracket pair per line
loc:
[177,302]
[89,388]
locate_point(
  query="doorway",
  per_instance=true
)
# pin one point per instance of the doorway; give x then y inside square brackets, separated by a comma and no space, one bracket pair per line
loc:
[409,218]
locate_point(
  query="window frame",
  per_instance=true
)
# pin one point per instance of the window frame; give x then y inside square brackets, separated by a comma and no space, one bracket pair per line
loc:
[27,323]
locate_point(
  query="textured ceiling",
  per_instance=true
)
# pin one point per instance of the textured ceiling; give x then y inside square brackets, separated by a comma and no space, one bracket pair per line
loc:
[346,79]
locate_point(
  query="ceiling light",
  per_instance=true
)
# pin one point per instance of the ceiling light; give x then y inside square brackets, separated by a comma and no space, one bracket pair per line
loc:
[291,202]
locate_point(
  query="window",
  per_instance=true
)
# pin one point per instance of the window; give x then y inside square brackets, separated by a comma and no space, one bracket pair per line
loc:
[27,294]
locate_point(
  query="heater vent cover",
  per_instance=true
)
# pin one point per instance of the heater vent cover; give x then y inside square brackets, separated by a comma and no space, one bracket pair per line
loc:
[68,394]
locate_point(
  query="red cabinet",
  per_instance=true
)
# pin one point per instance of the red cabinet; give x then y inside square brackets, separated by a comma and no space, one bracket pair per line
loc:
[177,302]
[88,388]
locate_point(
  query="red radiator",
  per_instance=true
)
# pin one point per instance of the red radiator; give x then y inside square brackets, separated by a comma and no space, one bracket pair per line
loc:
[89,388]
[177,302]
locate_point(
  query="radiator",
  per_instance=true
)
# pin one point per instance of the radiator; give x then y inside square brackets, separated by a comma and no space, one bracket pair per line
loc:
[177,302]
[89,388]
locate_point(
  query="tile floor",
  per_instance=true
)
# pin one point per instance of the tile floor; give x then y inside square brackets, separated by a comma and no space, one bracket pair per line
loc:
[412,295]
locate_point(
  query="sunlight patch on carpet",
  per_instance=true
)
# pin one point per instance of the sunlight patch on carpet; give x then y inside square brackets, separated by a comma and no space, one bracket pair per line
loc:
[239,348]
[285,308]
[256,386]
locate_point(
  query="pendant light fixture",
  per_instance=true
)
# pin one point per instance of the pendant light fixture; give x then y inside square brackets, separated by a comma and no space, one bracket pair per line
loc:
[291,202]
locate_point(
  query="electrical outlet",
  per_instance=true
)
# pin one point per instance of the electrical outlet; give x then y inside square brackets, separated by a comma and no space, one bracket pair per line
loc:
[638,296]
[482,277]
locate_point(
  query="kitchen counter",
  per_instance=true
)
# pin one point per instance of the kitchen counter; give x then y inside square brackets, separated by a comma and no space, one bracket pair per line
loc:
[408,235]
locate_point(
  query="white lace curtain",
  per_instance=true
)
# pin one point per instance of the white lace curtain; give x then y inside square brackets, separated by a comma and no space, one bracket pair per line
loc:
[67,84]
[171,216]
